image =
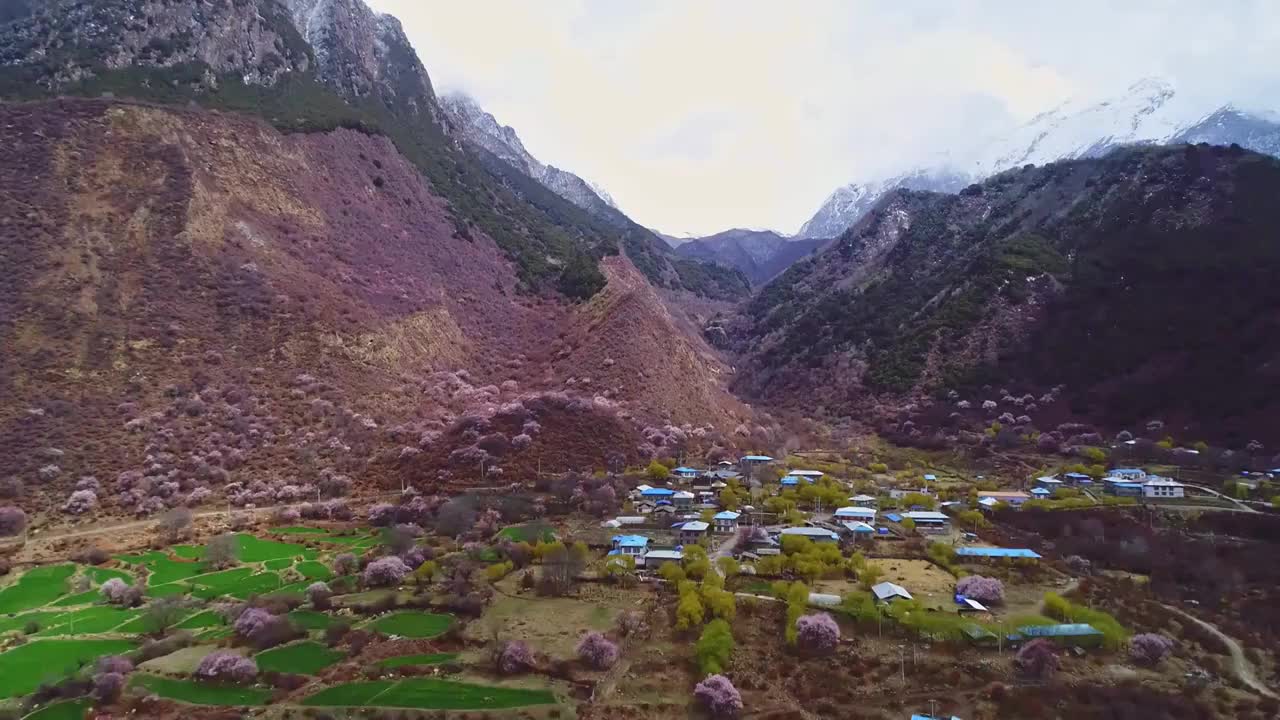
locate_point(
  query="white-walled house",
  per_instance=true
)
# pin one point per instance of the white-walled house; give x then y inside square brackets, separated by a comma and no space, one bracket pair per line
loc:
[1159,487]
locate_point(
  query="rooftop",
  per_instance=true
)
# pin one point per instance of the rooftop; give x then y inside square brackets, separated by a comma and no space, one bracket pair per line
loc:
[887,590]
[858,527]
[809,532]
[682,470]
[1001,494]
[997,552]
[630,540]
[694,526]
[806,473]
[756,458]
[928,516]
[1068,630]
[726,515]
[856,511]
[658,492]
[664,555]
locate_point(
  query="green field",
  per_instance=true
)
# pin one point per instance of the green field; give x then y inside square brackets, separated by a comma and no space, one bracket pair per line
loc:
[203,619]
[408,660]
[412,624]
[88,597]
[19,622]
[255,549]
[101,575]
[530,533]
[314,570]
[67,710]
[24,667]
[428,694]
[311,620]
[200,693]
[281,564]
[304,658]
[90,620]
[37,586]
[299,530]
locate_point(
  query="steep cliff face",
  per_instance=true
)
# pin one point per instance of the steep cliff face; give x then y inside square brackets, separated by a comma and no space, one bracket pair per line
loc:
[1090,276]
[195,286]
[66,41]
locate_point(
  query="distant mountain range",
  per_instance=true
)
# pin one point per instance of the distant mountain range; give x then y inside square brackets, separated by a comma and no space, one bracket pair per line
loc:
[1150,112]
[760,255]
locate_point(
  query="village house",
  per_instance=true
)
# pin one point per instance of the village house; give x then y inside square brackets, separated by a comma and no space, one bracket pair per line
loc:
[1120,487]
[630,545]
[748,461]
[1070,634]
[1129,474]
[1162,488]
[1008,497]
[899,493]
[810,475]
[992,554]
[859,530]
[864,500]
[693,531]
[813,533]
[930,521]
[686,473]
[725,522]
[1041,493]
[888,592]
[1075,478]
[682,500]
[655,559]
[1049,483]
[862,514]
[657,494]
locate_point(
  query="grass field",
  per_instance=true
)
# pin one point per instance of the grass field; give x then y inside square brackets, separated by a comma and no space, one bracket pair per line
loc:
[95,619]
[87,597]
[413,624]
[304,658]
[314,570]
[281,564]
[299,530]
[554,625]
[67,710]
[38,586]
[201,693]
[203,619]
[408,660]
[428,694]
[255,549]
[100,575]
[24,667]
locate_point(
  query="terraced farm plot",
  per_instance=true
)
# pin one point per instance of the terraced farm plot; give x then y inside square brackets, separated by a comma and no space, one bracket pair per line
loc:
[411,660]
[188,552]
[88,621]
[428,694]
[87,597]
[280,564]
[168,570]
[24,667]
[255,549]
[311,619]
[40,617]
[202,619]
[100,575]
[314,570]
[299,530]
[531,533]
[413,624]
[200,693]
[257,584]
[304,658]
[37,586]
[67,710]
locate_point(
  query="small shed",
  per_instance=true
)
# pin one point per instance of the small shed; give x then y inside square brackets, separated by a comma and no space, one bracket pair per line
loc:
[888,592]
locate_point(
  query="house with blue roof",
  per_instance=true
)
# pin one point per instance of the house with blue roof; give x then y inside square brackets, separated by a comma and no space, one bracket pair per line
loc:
[930,477]
[1041,494]
[1075,478]
[1066,634]
[633,545]
[686,473]
[997,553]
[655,493]
[755,460]
[725,521]
[1049,483]
[1127,473]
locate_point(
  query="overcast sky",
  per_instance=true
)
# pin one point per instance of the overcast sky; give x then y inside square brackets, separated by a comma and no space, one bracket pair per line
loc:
[698,115]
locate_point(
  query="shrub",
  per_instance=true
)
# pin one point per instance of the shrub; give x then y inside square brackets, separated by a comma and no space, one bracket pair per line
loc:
[983,589]
[226,666]
[817,634]
[657,472]
[385,572]
[318,594]
[254,622]
[107,686]
[114,664]
[119,592]
[80,502]
[163,613]
[175,522]
[718,695]
[714,648]
[12,521]
[1149,648]
[1038,658]
[597,651]
[514,657]
[345,564]
[632,623]
[222,551]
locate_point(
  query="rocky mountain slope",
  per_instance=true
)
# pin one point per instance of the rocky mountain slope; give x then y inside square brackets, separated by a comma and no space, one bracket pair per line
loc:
[1122,288]
[479,127]
[273,267]
[758,254]
[1149,112]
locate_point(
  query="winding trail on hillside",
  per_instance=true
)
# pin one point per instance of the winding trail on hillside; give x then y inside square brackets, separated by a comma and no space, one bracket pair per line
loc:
[1240,664]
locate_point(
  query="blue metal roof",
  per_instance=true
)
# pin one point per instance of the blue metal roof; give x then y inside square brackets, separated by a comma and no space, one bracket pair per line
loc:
[790,480]
[726,515]
[1076,475]
[997,552]
[930,477]
[893,517]
[685,470]
[1068,630]
[657,492]
[1040,491]
[630,540]
[756,458]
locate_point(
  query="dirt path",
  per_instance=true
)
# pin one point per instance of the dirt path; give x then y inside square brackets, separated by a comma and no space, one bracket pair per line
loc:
[1240,665]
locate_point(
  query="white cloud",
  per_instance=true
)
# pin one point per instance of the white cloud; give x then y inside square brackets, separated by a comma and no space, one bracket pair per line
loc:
[697,116]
